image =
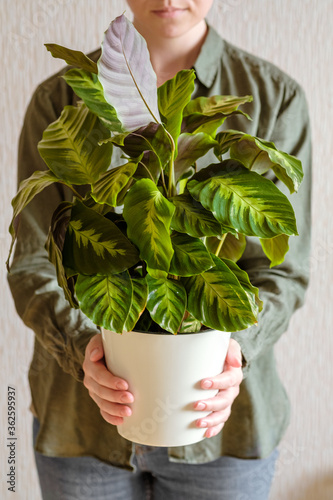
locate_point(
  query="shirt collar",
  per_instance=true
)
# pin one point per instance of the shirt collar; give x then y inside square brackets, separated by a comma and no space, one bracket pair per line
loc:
[208,61]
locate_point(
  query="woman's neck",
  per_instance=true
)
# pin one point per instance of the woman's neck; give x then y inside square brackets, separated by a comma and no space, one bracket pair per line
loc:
[170,55]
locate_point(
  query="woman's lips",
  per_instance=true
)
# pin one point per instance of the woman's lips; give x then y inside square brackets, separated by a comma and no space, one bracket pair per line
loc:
[169,12]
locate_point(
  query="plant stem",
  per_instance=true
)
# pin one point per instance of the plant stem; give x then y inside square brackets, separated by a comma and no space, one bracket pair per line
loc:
[152,178]
[171,184]
[164,185]
[74,191]
[218,250]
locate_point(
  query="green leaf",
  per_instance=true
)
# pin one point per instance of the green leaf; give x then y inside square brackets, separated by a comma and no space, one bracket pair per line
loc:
[148,216]
[225,140]
[275,248]
[260,156]
[251,291]
[54,246]
[28,189]
[138,304]
[190,324]
[232,248]
[70,146]
[173,96]
[95,245]
[190,256]
[72,57]
[166,302]
[206,114]
[127,76]
[192,218]
[110,184]
[210,106]
[106,300]
[87,86]
[150,138]
[190,148]
[242,199]
[149,167]
[217,299]
[89,202]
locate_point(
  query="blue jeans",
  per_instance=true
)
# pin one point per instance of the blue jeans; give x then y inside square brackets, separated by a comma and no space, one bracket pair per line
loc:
[156,478]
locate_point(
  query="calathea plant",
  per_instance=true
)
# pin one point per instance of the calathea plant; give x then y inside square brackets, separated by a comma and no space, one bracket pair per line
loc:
[167,260]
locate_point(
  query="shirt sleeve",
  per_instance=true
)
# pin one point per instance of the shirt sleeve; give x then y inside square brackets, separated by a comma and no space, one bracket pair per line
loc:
[64,332]
[282,288]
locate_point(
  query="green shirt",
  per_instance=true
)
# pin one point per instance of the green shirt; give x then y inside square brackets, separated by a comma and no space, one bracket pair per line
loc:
[70,421]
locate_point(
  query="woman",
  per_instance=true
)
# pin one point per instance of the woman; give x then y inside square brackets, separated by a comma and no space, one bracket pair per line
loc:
[72,425]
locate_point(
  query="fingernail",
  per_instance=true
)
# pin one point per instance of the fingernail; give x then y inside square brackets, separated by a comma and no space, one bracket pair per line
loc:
[126,398]
[126,412]
[200,406]
[207,384]
[210,433]
[202,423]
[122,386]
[94,352]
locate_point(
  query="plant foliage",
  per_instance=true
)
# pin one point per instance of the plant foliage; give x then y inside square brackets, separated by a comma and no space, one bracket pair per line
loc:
[167,260]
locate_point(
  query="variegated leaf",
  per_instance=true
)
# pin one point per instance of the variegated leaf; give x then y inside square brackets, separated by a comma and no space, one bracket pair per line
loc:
[173,96]
[70,146]
[237,197]
[190,255]
[54,246]
[192,218]
[106,300]
[87,86]
[232,248]
[251,291]
[149,138]
[206,114]
[148,216]
[275,248]
[138,303]
[111,183]
[190,148]
[127,76]
[217,299]
[259,156]
[95,245]
[166,302]
[28,189]
[72,57]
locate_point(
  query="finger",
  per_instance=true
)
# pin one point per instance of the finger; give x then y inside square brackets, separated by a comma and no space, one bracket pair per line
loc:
[215,418]
[94,349]
[108,394]
[111,419]
[221,401]
[213,431]
[234,354]
[98,372]
[112,409]
[229,378]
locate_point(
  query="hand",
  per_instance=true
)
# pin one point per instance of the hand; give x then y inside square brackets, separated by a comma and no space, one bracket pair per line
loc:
[109,392]
[227,383]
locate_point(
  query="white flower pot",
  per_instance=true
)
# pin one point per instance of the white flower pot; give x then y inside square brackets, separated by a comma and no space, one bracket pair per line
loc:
[164,373]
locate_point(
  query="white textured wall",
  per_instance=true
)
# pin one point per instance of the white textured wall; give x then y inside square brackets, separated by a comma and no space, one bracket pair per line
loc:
[297,36]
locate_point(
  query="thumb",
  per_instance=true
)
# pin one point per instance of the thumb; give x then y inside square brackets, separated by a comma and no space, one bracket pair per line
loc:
[95,349]
[234,354]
